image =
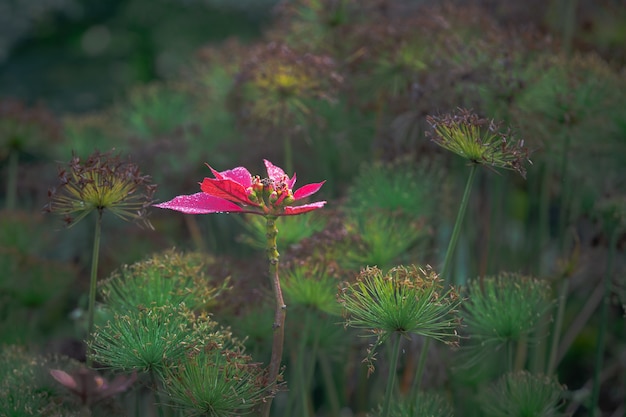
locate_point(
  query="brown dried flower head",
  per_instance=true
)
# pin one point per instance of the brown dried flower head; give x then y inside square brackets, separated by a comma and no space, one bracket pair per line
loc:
[102,182]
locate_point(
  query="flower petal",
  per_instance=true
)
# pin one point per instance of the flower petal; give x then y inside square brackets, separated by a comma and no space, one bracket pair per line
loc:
[240,175]
[292,181]
[273,172]
[199,203]
[226,189]
[292,211]
[307,190]
[64,378]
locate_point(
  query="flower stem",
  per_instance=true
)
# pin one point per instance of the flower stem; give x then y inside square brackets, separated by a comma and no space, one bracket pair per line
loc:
[558,326]
[94,277]
[155,391]
[604,316]
[329,382]
[420,368]
[391,379]
[280,312]
[457,225]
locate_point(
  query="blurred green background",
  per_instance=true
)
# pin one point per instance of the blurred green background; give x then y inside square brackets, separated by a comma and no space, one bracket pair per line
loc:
[81,55]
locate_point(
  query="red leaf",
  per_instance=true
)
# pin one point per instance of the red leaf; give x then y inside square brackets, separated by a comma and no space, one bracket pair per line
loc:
[307,190]
[200,203]
[292,211]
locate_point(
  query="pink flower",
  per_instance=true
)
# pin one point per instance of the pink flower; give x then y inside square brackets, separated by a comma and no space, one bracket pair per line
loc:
[237,191]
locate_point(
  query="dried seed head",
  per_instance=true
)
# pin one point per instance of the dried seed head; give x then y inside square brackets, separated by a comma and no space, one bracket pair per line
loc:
[479,140]
[102,182]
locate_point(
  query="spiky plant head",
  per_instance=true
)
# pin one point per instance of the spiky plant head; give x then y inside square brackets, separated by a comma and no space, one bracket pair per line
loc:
[399,186]
[405,300]
[312,286]
[157,109]
[102,182]
[383,238]
[573,110]
[218,380]
[171,277]
[424,404]
[480,141]
[276,82]
[522,394]
[504,308]
[149,338]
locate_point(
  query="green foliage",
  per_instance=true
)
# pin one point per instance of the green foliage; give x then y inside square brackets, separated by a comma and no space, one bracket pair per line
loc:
[217,381]
[149,339]
[522,394]
[155,110]
[167,278]
[504,308]
[405,186]
[384,238]
[405,300]
[27,389]
[388,207]
[20,392]
[312,287]
[425,404]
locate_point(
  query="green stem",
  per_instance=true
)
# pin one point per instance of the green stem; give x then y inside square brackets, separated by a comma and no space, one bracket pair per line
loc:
[94,277]
[604,316]
[155,390]
[558,325]
[457,225]
[299,374]
[329,382]
[420,368]
[564,210]
[280,310]
[309,371]
[395,352]
[11,202]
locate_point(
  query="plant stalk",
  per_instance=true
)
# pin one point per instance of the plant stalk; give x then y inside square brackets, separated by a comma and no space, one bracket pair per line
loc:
[280,312]
[558,326]
[457,225]
[604,316]
[93,283]
[395,352]
[329,383]
[420,368]
[157,397]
